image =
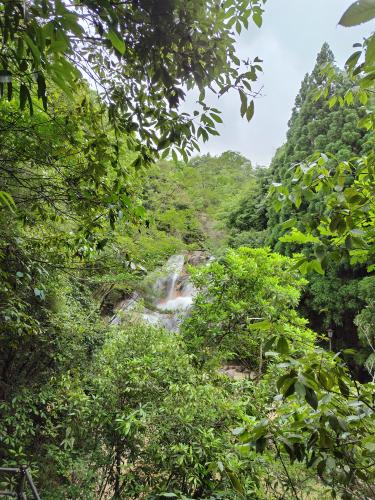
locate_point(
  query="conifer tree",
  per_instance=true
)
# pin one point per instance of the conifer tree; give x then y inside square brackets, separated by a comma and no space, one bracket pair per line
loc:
[314,126]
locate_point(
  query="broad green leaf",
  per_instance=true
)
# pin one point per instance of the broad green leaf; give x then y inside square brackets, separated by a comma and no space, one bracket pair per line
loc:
[352,61]
[117,42]
[365,122]
[315,265]
[300,389]
[282,346]
[24,95]
[289,448]
[284,380]
[217,118]
[313,439]
[332,101]
[243,102]
[296,236]
[260,444]
[311,398]
[250,111]
[344,389]
[359,12]
[269,343]
[370,51]
[260,325]
[33,48]
[257,18]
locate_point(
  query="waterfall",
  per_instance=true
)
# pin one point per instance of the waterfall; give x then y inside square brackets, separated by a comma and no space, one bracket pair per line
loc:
[176,298]
[174,292]
[166,286]
[172,288]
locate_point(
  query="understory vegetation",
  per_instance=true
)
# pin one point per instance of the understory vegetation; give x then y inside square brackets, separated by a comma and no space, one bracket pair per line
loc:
[100,186]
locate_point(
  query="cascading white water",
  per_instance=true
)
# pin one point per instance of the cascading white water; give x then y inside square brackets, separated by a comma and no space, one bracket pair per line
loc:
[175,298]
[174,293]
[171,272]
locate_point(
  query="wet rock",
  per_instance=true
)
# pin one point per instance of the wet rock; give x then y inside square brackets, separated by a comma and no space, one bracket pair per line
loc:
[197,258]
[237,372]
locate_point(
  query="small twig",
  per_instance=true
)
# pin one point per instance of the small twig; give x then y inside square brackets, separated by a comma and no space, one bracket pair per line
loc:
[286,470]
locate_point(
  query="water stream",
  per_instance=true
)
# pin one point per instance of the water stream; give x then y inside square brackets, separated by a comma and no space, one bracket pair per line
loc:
[171,295]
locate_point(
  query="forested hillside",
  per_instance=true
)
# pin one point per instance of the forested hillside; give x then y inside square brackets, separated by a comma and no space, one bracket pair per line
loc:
[332,300]
[177,324]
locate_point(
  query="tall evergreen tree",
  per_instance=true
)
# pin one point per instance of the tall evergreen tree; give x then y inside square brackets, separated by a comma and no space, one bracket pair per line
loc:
[314,126]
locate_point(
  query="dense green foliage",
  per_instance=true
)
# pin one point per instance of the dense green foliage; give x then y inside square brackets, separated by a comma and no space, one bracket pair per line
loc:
[103,410]
[313,126]
[248,220]
[190,201]
[141,56]
[243,287]
[314,412]
[324,202]
[319,202]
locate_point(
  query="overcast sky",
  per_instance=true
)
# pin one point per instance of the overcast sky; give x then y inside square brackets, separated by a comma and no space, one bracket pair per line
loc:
[292,34]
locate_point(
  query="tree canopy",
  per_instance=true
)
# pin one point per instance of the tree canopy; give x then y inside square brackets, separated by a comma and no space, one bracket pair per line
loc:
[179,326]
[140,56]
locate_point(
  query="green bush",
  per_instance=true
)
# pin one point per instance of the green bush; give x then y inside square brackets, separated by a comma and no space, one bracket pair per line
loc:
[246,296]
